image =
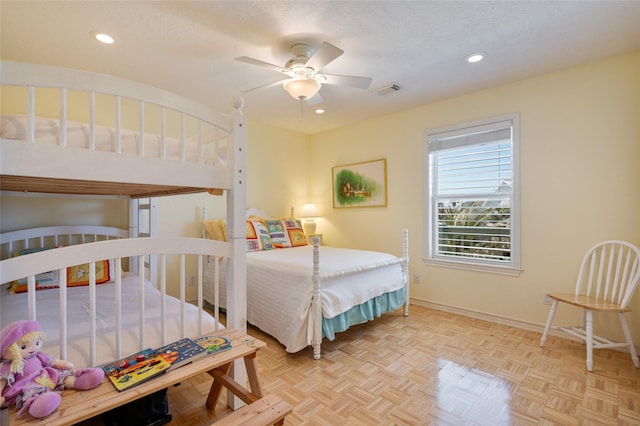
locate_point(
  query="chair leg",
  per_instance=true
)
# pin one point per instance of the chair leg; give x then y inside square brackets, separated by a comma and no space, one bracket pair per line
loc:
[627,335]
[547,327]
[589,330]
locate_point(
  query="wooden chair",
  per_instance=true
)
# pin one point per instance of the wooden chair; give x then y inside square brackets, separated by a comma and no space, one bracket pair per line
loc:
[608,277]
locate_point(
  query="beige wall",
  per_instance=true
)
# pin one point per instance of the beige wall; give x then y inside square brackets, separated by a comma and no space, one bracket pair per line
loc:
[278,178]
[580,184]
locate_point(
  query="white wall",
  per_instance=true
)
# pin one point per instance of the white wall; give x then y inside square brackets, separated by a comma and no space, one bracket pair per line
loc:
[580,184]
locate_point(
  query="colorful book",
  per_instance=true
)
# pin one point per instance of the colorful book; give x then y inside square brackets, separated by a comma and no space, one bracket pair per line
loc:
[213,344]
[135,369]
[181,352]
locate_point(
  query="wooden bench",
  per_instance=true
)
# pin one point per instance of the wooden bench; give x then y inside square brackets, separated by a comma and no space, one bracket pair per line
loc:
[81,405]
[268,410]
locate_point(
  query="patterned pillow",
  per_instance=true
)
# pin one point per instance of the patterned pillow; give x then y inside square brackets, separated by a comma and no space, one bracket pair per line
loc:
[44,280]
[79,275]
[295,232]
[286,233]
[278,233]
[76,275]
[258,237]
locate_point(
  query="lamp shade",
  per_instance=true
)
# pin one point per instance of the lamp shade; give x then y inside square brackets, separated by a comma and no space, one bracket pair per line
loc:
[309,210]
[301,88]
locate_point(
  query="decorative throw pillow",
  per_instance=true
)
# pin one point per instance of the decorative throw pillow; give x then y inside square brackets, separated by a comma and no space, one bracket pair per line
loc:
[295,232]
[76,275]
[258,237]
[79,275]
[286,232]
[278,233]
[44,280]
[216,229]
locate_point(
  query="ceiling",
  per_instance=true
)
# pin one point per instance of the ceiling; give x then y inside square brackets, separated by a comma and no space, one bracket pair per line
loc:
[189,47]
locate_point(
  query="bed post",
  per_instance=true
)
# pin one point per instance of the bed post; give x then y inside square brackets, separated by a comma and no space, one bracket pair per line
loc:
[316,306]
[236,234]
[405,271]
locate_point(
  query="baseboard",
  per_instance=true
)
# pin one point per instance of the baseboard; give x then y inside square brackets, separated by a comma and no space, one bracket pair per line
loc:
[523,325]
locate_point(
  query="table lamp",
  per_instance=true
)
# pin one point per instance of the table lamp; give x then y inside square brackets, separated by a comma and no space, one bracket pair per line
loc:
[309,213]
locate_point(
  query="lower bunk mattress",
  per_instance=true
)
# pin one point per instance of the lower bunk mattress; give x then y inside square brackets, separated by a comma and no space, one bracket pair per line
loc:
[355,287]
[15,307]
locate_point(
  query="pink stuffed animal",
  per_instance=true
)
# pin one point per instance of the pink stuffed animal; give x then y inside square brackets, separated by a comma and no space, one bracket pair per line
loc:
[32,380]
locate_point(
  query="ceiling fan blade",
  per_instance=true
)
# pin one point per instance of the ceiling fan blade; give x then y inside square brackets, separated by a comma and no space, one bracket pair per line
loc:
[315,99]
[325,54]
[265,86]
[259,63]
[346,80]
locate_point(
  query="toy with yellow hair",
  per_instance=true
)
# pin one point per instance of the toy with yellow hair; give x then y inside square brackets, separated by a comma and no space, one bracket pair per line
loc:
[32,380]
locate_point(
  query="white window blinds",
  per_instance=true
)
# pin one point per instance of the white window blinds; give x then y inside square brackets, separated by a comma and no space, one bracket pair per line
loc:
[471,193]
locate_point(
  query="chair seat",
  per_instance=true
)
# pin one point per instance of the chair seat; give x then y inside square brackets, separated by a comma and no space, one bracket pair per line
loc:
[588,302]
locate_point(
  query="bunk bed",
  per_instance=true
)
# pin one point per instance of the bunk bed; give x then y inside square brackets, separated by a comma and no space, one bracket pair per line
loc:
[157,143]
[300,293]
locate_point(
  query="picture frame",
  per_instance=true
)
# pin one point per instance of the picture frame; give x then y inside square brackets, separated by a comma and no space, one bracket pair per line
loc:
[360,184]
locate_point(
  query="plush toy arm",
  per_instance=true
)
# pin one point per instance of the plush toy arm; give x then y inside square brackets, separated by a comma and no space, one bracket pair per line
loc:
[62,364]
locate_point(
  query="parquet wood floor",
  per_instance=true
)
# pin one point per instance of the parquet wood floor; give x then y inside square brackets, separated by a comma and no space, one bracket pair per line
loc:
[436,368]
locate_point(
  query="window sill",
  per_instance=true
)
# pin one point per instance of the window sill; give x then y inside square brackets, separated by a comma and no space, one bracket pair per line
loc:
[477,267]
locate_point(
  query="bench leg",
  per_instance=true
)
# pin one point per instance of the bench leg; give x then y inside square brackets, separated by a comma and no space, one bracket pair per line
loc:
[221,378]
[252,374]
[216,387]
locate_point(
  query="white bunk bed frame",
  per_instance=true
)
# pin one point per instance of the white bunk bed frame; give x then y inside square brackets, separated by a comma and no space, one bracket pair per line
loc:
[29,167]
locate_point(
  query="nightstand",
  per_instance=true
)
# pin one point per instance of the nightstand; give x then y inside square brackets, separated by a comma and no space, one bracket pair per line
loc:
[310,236]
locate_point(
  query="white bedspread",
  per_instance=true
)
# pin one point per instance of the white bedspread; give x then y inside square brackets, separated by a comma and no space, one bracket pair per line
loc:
[279,287]
[14,307]
[47,131]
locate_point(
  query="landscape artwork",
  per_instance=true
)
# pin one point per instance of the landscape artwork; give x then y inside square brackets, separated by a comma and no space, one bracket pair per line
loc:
[360,184]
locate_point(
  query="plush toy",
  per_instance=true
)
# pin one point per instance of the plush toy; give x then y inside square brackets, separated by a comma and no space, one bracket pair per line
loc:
[32,380]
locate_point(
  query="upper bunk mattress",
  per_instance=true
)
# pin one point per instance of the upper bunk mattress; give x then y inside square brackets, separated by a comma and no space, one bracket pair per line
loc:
[78,135]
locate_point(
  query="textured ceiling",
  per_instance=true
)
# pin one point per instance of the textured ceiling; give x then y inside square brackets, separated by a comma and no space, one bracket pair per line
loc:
[189,47]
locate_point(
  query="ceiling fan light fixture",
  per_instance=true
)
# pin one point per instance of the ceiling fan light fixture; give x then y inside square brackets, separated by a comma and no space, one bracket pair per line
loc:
[102,37]
[475,57]
[301,88]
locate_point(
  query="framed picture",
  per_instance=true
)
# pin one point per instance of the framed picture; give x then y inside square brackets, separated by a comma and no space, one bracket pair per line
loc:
[360,184]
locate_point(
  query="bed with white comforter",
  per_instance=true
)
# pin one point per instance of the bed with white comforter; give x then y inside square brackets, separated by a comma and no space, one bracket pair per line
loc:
[355,286]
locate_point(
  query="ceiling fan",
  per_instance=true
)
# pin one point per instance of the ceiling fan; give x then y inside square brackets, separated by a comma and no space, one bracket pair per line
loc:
[302,72]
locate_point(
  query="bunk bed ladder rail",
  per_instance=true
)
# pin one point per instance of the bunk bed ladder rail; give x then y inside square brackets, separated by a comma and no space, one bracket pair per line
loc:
[143,222]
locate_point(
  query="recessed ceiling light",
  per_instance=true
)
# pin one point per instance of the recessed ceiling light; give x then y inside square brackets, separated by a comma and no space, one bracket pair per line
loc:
[475,57]
[319,111]
[102,37]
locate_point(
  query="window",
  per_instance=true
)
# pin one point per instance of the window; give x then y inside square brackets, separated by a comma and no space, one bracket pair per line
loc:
[473,202]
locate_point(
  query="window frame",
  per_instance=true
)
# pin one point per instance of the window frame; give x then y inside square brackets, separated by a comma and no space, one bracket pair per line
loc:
[430,256]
